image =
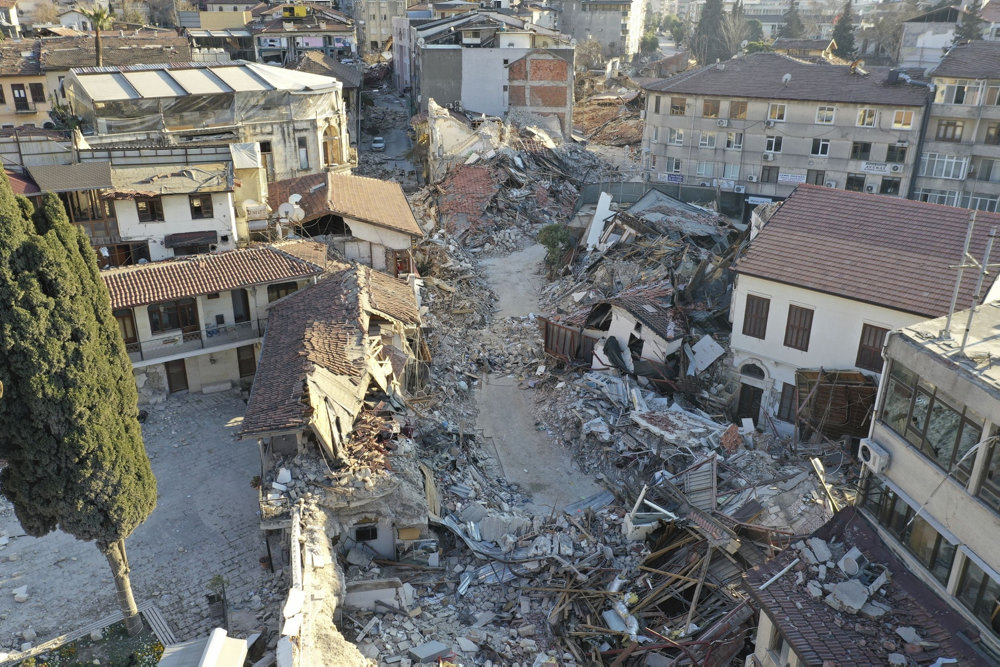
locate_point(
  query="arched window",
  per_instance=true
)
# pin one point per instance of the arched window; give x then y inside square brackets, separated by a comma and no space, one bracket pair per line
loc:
[753,371]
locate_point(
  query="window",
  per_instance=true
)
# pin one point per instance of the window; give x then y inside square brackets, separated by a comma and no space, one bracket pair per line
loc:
[707,140]
[993,92]
[656,104]
[820,147]
[126,324]
[3,100]
[866,117]
[861,150]
[945,197]
[930,421]
[870,348]
[738,110]
[772,144]
[279,290]
[673,165]
[734,140]
[959,91]
[992,133]
[786,406]
[367,533]
[150,210]
[779,648]
[776,112]
[710,109]
[918,537]
[895,153]
[943,166]
[798,327]
[656,134]
[37,91]
[303,153]
[755,316]
[675,137]
[990,490]
[731,172]
[173,315]
[890,186]
[706,169]
[201,206]
[980,594]
[246,360]
[768,174]
[816,177]
[677,106]
[902,120]
[949,130]
[855,183]
[989,171]
[825,115]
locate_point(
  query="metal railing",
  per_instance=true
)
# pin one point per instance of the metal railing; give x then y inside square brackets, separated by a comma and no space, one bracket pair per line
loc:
[203,339]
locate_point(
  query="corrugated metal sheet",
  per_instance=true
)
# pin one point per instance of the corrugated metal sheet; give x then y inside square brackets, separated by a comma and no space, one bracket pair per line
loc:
[154,84]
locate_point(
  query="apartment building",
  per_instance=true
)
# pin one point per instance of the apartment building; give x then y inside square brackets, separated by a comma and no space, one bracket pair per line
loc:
[196,323]
[615,24]
[960,159]
[759,125]
[374,19]
[828,276]
[283,32]
[297,120]
[932,482]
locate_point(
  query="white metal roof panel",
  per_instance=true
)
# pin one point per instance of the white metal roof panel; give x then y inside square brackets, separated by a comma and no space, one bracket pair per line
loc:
[284,79]
[107,87]
[240,79]
[199,82]
[154,83]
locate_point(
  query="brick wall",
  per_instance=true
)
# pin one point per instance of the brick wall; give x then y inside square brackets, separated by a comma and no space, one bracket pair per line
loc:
[548,70]
[515,96]
[548,96]
[517,71]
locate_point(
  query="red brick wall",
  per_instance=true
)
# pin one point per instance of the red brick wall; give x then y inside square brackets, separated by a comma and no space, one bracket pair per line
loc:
[544,69]
[548,96]
[517,71]
[515,96]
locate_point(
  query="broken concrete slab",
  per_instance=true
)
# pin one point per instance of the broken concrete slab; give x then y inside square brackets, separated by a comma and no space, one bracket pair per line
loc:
[848,596]
[429,652]
[365,594]
[820,549]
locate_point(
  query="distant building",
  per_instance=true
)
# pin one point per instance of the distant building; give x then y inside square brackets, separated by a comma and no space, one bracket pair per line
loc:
[617,25]
[805,48]
[927,37]
[283,32]
[828,276]
[10,22]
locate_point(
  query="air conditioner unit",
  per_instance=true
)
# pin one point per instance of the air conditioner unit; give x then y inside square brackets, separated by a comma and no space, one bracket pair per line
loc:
[870,188]
[767,157]
[873,455]
[722,122]
[768,123]
[751,179]
[831,184]
[896,168]
[740,189]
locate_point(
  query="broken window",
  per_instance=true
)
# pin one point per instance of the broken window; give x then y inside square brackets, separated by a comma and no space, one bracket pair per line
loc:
[895,153]
[656,104]
[303,153]
[279,290]
[367,533]
[798,328]
[861,150]
[755,316]
[816,176]
[980,593]
[890,186]
[246,359]
[786,406]
[675,137]
[201,206]
[678,106]
[990,490]
[772,144]
[870,348]
[738,110]
[710,109]
[734,140]
[149,209]
[37,91]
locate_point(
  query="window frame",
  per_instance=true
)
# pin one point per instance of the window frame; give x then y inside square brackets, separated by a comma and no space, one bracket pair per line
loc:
[675,136]
[203,212]
[902,119]
[776,111]
[890,185]
[756,311]
[854,177]
[820,148]
[868,350]
[867,117]
[707,139]
[154,209]
[707,107]
[280,290]
[895,153]
[798,327]
[773,143]
[949,130]
[176,315]
[786,403]
[769,174]
[734,141]
[861,150]
[824,110]
[36,91]
[738,109]
[678,106]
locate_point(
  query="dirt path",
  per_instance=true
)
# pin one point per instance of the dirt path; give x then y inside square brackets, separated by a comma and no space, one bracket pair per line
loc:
[529,458]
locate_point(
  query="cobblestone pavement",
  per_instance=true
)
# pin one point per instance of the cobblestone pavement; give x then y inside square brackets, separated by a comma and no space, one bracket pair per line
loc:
[205,524]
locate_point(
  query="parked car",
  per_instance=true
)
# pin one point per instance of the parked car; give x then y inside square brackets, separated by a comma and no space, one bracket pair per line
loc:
[378,144]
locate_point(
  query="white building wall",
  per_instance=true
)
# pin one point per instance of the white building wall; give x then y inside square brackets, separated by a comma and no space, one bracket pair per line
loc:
[486,94]
[177,219]
[833,340]
[654,348]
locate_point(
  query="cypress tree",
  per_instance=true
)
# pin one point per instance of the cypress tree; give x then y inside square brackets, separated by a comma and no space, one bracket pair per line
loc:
[793,27]
[707,41]
[843,33]
[970,24]
[69,426]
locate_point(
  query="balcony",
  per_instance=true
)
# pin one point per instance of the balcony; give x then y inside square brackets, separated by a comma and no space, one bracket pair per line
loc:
[205,339]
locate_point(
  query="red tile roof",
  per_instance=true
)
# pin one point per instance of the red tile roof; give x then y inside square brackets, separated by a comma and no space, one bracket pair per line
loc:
[203,274]
[808,624]
[21,184]
[881,250]
[321,327]
[469,190]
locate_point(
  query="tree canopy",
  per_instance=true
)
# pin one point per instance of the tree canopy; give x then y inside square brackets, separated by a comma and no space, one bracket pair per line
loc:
[843,33]
[649,43]
[707,41]
[69,417]
[793,27]
[970,24]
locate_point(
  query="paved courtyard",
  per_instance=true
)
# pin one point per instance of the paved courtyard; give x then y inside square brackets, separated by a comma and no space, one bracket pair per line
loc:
[205,523]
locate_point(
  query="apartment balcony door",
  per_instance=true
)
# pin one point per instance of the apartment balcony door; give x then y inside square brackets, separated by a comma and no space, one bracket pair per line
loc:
[20,97]
[177,379]
[241,306]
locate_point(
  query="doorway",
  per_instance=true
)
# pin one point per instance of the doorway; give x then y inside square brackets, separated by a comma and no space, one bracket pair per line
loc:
[176,376]
[749,403]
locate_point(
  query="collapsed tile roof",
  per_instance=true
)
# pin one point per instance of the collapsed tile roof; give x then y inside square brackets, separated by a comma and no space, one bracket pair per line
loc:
[316,62]
[809,624]
[761,76]
[195,275]
[323,327]
[886,251]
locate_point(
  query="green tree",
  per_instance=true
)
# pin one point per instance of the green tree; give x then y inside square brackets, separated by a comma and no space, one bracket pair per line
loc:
[649,43]
[69,416]
[793,28]
[556,238]
[707,41]
[755,30]
[843,33]
[970,24]
[100,19]
[759,47]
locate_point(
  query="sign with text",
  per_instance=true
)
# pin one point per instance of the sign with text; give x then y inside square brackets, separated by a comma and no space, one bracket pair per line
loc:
[675,178]
[875,167]
[759,200]
[791,178]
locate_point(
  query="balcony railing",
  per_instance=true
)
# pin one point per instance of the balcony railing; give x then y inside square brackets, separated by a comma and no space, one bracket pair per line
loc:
[205,339]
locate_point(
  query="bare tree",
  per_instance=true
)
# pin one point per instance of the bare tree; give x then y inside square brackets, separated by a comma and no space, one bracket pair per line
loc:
[735,31]
[45,12]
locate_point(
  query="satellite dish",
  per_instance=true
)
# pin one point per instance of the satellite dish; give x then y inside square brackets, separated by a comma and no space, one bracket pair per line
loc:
[785,79]
[744,43]
[286,210]
[297,214]
[294,199]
